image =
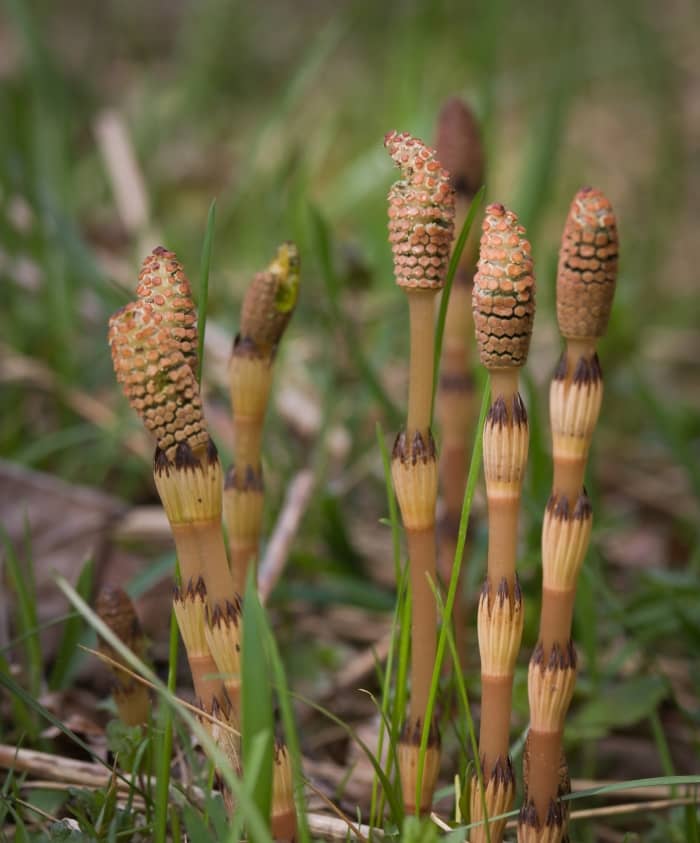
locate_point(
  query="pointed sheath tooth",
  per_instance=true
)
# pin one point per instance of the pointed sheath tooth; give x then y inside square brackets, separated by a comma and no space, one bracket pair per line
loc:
[500,628]
[165,293]
[531,831]
[189,487]
[189,605]
[421,214]
[414,471]
[587,266]
[499,793]
[503,298]
[270,300]
[459,147]
[550,686]
[156,378]
[408,755]
[243,504]
[565,538]
[223,632]
[506,440]
[574,407]
[283,816]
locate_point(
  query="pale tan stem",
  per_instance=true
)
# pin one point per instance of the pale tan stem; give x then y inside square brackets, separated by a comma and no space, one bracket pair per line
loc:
[188,553]
[545,760]
[504,384]
[568,478]
[503,540]
[207,684]
[243,556]
[421,304]
[421,550]
[575,350]
[217,576]
[494,732]
[248,432]
[556,618]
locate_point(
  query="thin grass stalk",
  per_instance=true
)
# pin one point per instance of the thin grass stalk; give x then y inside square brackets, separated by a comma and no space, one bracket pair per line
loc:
[421,226]
[585,287]
[267,308]
[459,148]
[504,307]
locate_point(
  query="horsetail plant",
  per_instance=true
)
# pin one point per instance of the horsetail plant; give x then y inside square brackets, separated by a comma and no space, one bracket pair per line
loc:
[459,148]
[267,308]
[154,350]
[586,279]
[115,609]
[421,227]
[504,308]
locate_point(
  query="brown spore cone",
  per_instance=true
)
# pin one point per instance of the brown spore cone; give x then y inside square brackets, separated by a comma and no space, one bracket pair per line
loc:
[503,298]
[165,292]
[587,266]
[459,147]
[421,214]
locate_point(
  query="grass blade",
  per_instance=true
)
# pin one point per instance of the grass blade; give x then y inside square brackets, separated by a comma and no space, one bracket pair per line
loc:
[66,657]
[203,298]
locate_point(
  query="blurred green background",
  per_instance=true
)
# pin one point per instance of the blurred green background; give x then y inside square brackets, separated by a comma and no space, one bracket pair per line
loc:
[278,111]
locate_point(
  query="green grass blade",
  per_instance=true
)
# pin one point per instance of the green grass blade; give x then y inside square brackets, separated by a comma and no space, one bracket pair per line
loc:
[452,590]
[203,298]
[257,724]
[164,746]
[66,657]
[22,582]
[451,271]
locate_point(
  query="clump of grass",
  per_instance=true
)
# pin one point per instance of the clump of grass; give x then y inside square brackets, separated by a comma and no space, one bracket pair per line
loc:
[421,227]
[267,308]
[504,309]
[459,148]
[115,609]
[585,287]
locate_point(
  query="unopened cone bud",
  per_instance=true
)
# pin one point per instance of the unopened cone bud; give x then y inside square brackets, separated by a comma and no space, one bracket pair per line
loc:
[421,214]
[270,300]
[414,471]
[459,147]
[503,299]
[587,266]
[565,537]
